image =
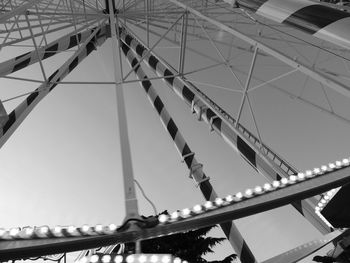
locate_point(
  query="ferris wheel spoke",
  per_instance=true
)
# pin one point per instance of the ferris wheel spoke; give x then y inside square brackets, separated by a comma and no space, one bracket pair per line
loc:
[20,112]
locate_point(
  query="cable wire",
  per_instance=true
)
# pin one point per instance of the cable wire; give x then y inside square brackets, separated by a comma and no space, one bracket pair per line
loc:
[144,195]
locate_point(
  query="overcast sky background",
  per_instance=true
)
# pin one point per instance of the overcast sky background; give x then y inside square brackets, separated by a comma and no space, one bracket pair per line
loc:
[62,166]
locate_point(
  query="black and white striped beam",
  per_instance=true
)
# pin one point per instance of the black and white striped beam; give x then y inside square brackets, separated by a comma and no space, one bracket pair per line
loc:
[22,110]
[231,231]
[221,122]
[51,49]
[324,22]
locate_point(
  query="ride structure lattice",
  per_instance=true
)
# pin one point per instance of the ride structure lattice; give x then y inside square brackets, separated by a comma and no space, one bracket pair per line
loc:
[238,48]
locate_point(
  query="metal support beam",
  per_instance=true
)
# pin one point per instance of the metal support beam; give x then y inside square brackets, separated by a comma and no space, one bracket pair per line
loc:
[131,206]
[183,43]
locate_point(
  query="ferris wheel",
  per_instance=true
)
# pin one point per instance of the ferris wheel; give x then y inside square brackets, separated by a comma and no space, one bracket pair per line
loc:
[267,79]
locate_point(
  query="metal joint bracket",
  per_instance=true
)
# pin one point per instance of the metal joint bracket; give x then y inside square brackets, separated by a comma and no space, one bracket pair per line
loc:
[201,181]
[193,104]
[186,155]
[194,168]
[211,122]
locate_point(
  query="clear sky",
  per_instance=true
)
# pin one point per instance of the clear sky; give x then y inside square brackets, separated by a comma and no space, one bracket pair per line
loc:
[62,166]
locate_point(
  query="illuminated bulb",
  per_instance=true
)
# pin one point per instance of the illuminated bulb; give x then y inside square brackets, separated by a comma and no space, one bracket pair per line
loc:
[84,260]
[323,201]
[239,195]
[166,259]
[98,228]
[331,166]
[293,179]
[276,184]
[163,218]
[43,230]
[177,260]
[71,229]
[142,258]
[185,261]
[118,259]
[106,259]
[29,231]
[301,176]
[2,232]
[186,212]
[327,197]
[248,193]
[317,209]
[284,181]
[175,215]
[309,174]
[258,190]
[229,198]
[219,201]
[317,171]
[154,258]
[197,209]
[94,258]
[267,187]
[85,228]
[112,227]
[57,230]
[208,205]
[324,168]
[14,232]
[345,162]
[130,259]
[338,164]
[320,205]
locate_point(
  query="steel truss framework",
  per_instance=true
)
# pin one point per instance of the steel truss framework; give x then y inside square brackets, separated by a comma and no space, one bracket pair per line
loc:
[138,30]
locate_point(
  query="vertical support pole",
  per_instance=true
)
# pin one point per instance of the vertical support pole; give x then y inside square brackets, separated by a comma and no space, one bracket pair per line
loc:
[183,42]
[129,187]
[247,85]
[147,21]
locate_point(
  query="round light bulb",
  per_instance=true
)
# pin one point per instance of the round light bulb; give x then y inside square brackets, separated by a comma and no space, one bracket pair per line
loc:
[219,201]
[154,258]
[186,212]
[284,181]
[29,231]
[309,174]
[106,259]
[293,179]
[338,164]
[301,176]
[197,209]
[14,232]
[142,258]
[248,193]
[317,171]
[175,215]
[163,218]
[71,229]
[267,187]
[85,228]
[112,227]
[166,259]
[239,195]
[118,259]
[208,205]
[258,190]
[345,162]
[98,228]
[229,198]
[177,260]
[331,166]
[130,259]
[276,184]
[94,258]
[324,168]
